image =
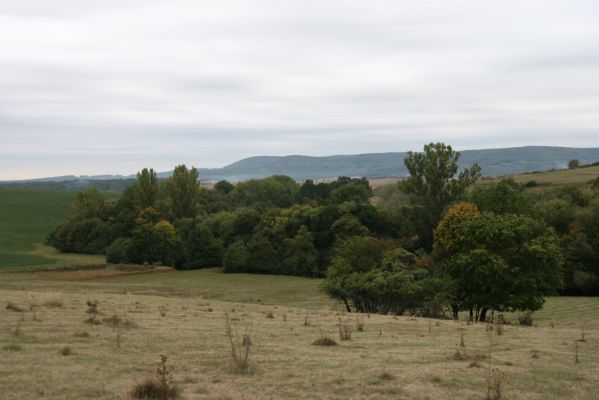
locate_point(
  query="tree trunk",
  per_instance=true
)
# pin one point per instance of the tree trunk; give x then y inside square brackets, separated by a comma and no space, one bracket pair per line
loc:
[347,307]
[483,315]
[454,311]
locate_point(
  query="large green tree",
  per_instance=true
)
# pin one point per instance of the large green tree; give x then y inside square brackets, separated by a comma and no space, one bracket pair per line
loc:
[89,203]
[146,188]
[500,262]
[435,183]
[183,189]
[299,254]
[202,249]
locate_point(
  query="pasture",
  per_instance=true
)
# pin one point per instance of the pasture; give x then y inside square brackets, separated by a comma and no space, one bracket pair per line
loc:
[182,315]
[577,176]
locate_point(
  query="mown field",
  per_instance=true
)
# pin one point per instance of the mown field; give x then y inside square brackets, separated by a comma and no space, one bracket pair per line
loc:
[49,351]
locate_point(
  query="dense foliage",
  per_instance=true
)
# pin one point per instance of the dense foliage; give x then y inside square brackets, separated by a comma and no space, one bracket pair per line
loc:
[272,225]
[375,276]
[497,262]
[432,244]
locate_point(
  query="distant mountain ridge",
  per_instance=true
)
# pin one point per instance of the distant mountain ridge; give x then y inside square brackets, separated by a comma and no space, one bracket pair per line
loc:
[505,161]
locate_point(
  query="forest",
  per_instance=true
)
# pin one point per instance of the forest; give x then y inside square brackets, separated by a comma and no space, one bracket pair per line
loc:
[439,241]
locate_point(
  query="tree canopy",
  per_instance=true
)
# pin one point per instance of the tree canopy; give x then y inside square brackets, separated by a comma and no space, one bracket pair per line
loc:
[433,182]
[499,262]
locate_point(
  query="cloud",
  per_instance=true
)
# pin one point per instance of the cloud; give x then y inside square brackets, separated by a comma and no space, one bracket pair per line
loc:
[111,87]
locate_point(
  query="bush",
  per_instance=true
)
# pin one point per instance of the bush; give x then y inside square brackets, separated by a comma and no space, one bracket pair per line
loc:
[66,351]
[324,341]
[394,285]
[159,388]
[236,257]
[525,320]
[531,184]
[118,251]
[202,248]
[90,236]
[240,349]
[155,242]
[150,389]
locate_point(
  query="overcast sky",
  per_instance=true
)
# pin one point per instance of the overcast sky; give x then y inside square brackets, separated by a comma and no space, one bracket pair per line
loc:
[94,87]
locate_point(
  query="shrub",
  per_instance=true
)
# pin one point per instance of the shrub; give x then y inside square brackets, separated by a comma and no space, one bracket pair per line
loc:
[236,257]
[90,235]
[240,349]
[159,388]
[149,389]
[324,341]
[202,249]
[13,307]
[359,324]
[531,184]
[385,376]
[345,329]
[495,385]
[118,251]
[525,320]
[66,351]
[92,310]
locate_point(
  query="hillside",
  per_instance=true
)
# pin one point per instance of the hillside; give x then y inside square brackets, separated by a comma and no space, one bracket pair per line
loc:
[508,161]
[492,161]
[560,177]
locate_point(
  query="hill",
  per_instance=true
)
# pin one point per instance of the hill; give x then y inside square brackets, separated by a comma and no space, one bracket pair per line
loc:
[507,161]
[493,162]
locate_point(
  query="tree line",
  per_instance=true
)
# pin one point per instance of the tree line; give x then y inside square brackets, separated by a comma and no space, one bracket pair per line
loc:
[445,245]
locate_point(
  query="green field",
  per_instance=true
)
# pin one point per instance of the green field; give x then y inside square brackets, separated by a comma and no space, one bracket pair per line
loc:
[577,176]
[26,218]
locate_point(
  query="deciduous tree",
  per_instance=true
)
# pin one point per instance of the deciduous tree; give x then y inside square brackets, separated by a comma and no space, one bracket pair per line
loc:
[434,183]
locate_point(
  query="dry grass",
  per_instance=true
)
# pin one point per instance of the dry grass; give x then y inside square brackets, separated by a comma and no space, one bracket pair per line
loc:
[52,299]
[287,366]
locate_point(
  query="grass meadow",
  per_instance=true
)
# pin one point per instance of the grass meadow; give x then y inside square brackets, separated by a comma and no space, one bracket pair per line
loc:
[182,315]
[577,176]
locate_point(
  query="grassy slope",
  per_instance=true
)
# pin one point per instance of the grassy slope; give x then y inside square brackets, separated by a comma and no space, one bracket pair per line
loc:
[26,218]
[576,176]
[417,353]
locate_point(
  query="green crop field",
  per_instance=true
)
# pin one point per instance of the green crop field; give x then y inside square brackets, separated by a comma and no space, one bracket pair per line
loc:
[26,218]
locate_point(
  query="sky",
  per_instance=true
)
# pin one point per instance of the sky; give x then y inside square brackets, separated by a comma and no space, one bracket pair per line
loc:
[110,87]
